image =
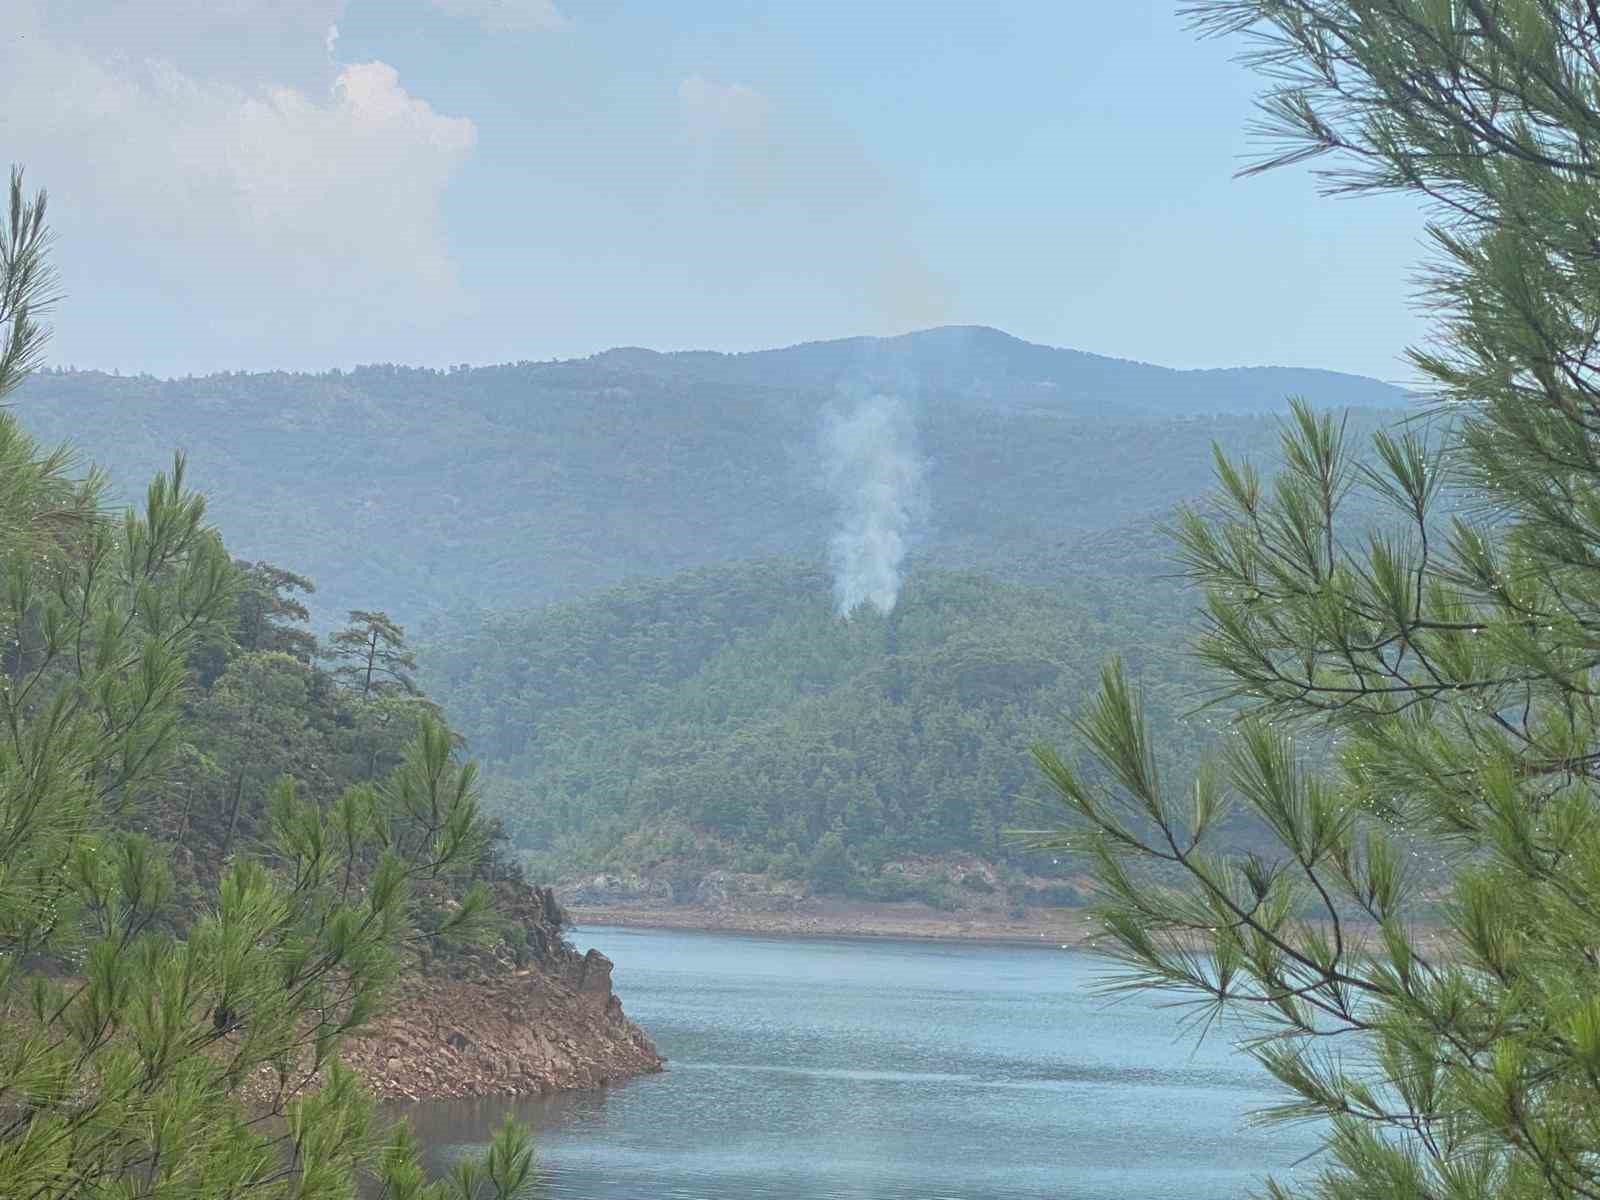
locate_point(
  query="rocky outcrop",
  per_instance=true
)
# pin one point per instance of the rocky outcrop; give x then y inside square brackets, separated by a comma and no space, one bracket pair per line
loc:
[536,1029]
[706,889]
[629,888]
[524,1015]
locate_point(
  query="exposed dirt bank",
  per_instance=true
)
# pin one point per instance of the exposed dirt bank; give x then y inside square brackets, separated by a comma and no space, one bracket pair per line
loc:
[950,897]
[1057,928]
[535,1030]
[842,918]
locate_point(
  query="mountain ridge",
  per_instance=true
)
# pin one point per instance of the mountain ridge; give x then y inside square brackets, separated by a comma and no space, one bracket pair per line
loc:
[932,360]
[860,350]
[522,483]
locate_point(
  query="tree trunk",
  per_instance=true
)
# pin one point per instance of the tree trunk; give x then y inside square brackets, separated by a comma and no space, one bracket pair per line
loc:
[233,821]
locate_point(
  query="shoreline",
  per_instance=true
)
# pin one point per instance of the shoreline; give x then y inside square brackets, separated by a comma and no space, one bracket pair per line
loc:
[527,1032]
[1064,929]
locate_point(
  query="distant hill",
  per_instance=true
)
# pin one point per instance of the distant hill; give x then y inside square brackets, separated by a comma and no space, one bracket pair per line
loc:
[429,492]
[726,716]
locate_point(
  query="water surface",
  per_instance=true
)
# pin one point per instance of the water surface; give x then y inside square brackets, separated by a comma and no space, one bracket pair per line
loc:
[811,1069]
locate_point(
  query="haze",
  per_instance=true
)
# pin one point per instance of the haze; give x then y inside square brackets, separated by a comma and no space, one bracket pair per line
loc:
[325,182]
[613,600]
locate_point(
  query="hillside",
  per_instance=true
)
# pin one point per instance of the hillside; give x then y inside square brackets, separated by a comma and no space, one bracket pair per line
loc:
[265,830]
[506,486]
[726,718]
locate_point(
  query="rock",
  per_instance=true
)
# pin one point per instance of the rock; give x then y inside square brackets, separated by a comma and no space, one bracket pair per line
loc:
[594,974]
[526,1032]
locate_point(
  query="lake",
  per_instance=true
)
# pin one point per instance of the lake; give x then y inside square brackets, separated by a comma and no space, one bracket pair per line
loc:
[811,1069]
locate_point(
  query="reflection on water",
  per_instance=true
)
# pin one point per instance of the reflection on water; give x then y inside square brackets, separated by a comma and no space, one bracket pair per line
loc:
[937,1071]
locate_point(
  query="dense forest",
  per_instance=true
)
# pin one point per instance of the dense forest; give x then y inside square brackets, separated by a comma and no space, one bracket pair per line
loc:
[510,486]
[728,717]
[269,702]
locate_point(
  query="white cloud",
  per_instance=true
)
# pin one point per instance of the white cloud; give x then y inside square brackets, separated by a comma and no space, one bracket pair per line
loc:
[247,41]
[276,212]
[508,16]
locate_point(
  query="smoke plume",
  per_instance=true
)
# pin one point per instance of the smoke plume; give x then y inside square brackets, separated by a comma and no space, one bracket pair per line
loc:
[873,469]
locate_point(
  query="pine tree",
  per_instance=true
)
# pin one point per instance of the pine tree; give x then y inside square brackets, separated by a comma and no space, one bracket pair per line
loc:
[374,657]
[136,1061]
[27,284]
[1447,651]
[268,611]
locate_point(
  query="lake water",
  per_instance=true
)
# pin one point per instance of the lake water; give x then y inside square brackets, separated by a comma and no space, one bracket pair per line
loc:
[811,1069]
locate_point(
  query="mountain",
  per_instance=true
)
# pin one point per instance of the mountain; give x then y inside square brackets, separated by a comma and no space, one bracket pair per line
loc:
[514,485]
[988,369]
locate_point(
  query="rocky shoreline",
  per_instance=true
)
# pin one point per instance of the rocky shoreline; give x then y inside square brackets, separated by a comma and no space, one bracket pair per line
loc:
[1063,929]
[974,901]
[530,1032]
[557,1024]
[839,918]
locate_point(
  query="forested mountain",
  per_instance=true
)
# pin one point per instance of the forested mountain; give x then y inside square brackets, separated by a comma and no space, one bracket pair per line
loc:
[513,485]
[614,558]
[727,717]
[988,369]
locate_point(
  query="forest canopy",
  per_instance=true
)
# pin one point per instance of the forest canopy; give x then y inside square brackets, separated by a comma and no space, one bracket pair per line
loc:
[729,717]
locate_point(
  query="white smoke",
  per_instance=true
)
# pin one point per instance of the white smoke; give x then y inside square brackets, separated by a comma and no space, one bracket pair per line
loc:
[872,467]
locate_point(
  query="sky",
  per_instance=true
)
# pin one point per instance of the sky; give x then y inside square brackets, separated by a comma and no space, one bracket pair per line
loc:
[304,184]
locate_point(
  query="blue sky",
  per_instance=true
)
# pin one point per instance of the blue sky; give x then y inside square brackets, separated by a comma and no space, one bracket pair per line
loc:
[309,183]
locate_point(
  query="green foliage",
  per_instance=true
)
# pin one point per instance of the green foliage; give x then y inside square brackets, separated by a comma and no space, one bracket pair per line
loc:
[1451,661]
[1056,895]
[142,1062]
[27,284]
[267,600]
[179,1037]
[372,655]
[729,717]
[830,869]
[504,1171]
